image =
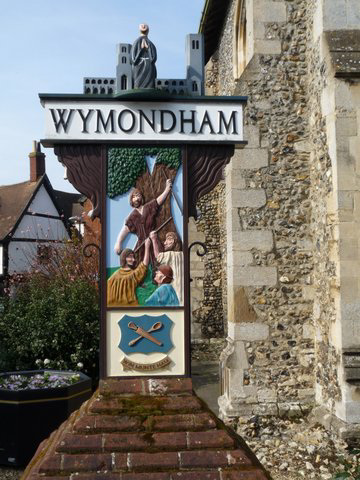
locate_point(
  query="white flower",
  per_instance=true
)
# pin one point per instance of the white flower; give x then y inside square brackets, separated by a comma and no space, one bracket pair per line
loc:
[38,362]
[46,361]
[80,365]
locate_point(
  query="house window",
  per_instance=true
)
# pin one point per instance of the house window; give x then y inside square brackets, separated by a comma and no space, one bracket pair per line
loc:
[123,49]
[123,60]
[240,40]
[194,86]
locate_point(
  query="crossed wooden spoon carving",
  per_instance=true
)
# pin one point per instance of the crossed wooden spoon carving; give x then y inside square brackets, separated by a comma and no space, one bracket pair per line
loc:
[145,334]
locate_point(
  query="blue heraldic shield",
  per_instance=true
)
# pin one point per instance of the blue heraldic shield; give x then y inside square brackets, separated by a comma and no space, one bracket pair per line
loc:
[145,334]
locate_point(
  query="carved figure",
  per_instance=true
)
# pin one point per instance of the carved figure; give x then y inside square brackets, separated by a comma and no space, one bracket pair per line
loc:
[165,295]
[122,284]
[141,220]
[169,253]
[143,58]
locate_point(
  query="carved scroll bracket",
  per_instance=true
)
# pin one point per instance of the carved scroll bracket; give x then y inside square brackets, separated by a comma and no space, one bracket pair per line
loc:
[83,163]
[205,169]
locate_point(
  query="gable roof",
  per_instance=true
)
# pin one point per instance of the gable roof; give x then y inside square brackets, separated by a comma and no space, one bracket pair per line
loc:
[211,24]
[14,199]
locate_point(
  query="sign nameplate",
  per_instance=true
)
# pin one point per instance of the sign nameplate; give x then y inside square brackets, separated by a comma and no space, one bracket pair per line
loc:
[143,121]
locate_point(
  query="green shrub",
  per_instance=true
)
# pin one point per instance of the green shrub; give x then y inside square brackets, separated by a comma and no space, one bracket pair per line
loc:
[51,317]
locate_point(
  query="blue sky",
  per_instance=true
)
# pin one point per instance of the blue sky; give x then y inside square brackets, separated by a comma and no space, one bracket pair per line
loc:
[48,46]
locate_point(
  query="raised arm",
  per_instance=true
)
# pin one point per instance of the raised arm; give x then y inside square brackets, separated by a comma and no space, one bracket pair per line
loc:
[121,237]
[155,243]
[147,252]
[161,198]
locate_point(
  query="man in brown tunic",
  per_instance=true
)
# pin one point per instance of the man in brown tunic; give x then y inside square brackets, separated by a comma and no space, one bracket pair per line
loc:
[122,284]
[141,220]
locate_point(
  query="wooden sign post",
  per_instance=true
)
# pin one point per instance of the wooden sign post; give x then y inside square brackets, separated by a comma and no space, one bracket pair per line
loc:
[144,160]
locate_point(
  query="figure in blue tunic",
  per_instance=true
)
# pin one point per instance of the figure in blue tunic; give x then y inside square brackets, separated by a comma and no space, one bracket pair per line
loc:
[164,295]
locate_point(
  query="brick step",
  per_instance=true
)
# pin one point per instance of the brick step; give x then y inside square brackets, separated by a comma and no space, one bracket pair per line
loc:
[145,405]
[146,386]
[254,474]
[89,424]
[145,462]
[144,429]
[129,442]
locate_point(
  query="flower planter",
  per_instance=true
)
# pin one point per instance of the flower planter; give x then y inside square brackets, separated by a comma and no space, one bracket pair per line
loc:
[29,416]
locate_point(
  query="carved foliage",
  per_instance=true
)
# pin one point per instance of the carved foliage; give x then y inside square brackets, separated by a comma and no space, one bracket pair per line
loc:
[83,163]
[205,167]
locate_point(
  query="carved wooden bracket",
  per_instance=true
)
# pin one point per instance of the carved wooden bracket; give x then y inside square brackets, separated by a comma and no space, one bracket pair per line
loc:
[83,163]
[205,168]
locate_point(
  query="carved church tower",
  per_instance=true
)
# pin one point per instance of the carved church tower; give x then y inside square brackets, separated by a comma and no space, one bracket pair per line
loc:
[123,68]
[194,51]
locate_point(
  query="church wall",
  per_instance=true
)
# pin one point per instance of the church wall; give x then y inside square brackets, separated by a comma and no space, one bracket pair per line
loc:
[268,366]
[291,214]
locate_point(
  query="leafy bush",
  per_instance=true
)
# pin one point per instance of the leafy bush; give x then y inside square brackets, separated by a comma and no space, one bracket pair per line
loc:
[51,316]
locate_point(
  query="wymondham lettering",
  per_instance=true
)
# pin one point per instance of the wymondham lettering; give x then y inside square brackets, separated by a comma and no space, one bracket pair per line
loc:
[126,121]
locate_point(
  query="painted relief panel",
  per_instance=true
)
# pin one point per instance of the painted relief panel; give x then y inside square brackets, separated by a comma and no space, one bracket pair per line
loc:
[145,261]
[144,227]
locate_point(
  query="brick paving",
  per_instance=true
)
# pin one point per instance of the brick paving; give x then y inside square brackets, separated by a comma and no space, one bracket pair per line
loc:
[144,429]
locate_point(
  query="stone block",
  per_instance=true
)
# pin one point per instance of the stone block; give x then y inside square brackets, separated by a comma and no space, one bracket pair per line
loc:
[353,14]
[252,198]
[308,292]
[268,47]
[267,395]
[232,220]
[249,239]
[349,268]
[248,332]
[346,126]
[346,178]
[347,230]
[303,146]
[349,249]
[252,136]
[266,409]
[239,308]
[346,200]
[308,331]
[238,259]
[327,101]
[343,95]
[197,293]
[352,412]
[334,15]
[251,158]
[350,314]
[306,394]
[197,273]
[349,289]
[269,11]
[252,276]
[234,179]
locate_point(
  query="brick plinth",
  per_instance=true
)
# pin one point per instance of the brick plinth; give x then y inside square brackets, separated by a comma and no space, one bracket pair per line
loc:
[144,429]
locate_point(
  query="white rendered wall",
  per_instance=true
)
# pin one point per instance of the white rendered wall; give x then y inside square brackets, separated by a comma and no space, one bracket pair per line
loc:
[42,203]
[22,254]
